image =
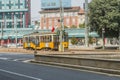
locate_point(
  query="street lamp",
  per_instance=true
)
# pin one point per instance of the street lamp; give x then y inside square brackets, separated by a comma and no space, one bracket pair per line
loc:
[119,38]
[61,26]
[15,28]
[86,23]
[1,34]
[103,32]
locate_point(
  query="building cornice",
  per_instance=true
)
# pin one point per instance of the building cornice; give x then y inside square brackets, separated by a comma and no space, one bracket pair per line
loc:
[71,9]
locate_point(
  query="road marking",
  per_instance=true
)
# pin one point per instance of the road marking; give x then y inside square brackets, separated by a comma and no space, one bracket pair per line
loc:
[16,59]
[18,74]
[3,58]
[10,59]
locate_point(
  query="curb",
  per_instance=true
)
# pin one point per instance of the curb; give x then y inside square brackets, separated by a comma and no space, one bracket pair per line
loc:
[108,71]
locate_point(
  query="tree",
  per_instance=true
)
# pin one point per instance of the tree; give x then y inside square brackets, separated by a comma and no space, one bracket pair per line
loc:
[74,41]
[82,25]
[65,26]
[105,14]
[73,26]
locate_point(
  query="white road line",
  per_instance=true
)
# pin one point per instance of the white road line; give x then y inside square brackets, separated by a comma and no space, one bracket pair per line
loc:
[16,59]
[3,58]
[18,74]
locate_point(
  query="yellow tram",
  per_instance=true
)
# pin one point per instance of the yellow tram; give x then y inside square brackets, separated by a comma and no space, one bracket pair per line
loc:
[48,40]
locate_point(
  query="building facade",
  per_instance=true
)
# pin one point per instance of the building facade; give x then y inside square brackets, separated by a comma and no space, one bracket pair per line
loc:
[14,13]
[14,16]
[73,16]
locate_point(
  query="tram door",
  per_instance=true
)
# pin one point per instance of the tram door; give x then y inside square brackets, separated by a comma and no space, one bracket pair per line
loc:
[37,41]
[56,41]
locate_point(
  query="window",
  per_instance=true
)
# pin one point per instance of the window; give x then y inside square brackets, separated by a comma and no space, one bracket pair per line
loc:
[73,21]
[56,38]
[67,21]
[1,16]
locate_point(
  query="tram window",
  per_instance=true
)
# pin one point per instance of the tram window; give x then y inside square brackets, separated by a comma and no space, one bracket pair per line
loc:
[43,39]
[27,39]
[37,37]
[48,38]
[56,38]
[24,39]
[31,38]
[40,38]
[65,38]
[36,40]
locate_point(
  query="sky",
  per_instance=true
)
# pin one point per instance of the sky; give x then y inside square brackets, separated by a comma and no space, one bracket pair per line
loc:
[36,7]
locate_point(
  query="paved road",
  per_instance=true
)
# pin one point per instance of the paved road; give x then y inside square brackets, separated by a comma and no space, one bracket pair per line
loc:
[16,57]
[13,67]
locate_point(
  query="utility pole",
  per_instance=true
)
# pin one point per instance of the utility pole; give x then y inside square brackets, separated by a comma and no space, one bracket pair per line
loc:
[119,38]
[61,27]
[1,34]
[103,32]
[86,24]
[15,28]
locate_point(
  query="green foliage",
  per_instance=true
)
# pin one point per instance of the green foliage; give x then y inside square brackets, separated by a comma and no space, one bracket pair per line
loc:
[65,26]
[105,14]
[74,41]
[82,25]
[73,26]
[90,40]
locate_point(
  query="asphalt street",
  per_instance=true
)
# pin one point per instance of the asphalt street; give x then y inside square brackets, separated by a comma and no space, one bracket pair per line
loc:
[14,67]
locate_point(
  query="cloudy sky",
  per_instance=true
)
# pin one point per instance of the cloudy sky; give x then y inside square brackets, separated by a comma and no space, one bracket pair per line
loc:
[35,7]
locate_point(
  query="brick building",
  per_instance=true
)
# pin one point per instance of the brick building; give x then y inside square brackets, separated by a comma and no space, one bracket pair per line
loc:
[73,16]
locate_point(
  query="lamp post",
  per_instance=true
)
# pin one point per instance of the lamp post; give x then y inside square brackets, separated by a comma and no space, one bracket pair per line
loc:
[103,32]
[86,23]
[15,28]
[119,38]
[61,26]
[36,42]
[1,34]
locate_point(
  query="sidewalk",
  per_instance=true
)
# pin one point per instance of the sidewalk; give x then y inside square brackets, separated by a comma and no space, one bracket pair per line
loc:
[72,51]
